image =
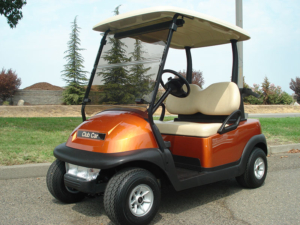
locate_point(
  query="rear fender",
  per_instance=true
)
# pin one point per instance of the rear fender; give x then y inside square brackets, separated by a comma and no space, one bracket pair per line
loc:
[256,141]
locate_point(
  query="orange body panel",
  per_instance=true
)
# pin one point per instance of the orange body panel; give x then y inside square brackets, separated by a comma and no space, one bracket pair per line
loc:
[128,130]
[218,149]
[125,131]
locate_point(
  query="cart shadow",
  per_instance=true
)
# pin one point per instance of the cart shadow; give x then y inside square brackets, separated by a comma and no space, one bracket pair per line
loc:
[90,206]
[172,202]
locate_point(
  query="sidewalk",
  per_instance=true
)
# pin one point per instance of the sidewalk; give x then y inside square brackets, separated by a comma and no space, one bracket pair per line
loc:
[273,115]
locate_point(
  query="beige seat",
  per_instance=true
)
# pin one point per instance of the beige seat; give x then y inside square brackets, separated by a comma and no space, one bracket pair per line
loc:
[188,128]
[217,99]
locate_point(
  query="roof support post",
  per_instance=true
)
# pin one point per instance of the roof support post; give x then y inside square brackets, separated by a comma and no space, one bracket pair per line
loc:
[239,22]
[87,92]
[189,66]
[235,71]
[152,105]
[235,62]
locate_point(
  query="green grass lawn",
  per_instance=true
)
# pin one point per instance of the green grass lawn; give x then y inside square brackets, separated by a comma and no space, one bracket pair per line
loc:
[32,140]
[281,130]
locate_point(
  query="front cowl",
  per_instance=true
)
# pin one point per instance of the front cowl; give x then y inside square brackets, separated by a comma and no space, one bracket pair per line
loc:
[113,131]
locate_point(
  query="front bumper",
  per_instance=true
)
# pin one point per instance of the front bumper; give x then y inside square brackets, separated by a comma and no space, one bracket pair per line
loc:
[106,160]
[80,184]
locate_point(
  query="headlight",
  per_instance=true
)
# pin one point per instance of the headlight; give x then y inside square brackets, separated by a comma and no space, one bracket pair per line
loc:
[82,172]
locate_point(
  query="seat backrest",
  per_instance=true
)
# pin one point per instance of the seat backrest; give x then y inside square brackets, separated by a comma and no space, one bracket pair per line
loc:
[217,99]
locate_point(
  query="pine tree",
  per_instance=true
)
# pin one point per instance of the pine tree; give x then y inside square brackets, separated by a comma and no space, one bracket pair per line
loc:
[140,81]
[117,54]
[116,78]
[74,73]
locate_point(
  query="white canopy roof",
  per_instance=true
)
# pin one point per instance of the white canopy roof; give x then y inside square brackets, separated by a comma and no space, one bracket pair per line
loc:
[199,30]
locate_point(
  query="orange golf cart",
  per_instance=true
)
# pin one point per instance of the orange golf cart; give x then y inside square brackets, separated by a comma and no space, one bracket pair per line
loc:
[124,152]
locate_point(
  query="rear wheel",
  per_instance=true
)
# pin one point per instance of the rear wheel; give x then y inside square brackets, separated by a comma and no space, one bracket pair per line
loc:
[132,196]
[256,170]
[56,185]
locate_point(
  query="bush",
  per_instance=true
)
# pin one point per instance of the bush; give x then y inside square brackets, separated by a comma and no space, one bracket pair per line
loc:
[5,103]
[73,94]
[295,86]
[251,99]
[277,96]
[269,94]
[265,86]
[197,77]
[9,83]
[286,99]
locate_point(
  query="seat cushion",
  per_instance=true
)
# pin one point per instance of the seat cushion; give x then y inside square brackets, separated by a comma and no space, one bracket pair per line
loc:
[188,128]
[217,99]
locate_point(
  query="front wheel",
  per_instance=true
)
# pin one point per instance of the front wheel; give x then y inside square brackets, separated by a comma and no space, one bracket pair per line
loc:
[56,184]
[256,170]
[132,196]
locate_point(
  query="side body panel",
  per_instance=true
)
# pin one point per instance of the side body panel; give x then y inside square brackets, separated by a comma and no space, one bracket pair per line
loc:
[125,130]
[162,160]
[218,149]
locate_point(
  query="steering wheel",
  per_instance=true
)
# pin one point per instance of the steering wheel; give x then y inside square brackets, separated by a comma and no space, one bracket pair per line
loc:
[176,85]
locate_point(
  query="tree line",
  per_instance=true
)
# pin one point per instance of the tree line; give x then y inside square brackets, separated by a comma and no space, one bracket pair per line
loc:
[271,94]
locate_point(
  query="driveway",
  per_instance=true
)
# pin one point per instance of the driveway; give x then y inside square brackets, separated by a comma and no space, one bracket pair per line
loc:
[27,201]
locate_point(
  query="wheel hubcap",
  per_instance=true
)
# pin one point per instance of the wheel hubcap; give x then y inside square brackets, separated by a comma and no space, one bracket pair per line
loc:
[141,200]
[259,168]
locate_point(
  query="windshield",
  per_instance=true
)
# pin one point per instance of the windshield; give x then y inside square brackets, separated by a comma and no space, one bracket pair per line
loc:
[126,71]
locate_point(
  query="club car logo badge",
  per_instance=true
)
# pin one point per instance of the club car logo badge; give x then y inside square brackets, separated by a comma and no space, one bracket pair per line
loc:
[90,135]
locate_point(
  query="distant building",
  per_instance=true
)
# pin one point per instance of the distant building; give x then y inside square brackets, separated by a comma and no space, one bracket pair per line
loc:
[40,94]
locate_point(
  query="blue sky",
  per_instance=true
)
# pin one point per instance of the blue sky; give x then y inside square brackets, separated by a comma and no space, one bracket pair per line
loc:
[35,49]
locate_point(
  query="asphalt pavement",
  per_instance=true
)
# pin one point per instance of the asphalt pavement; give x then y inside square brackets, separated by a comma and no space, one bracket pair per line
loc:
[27,201]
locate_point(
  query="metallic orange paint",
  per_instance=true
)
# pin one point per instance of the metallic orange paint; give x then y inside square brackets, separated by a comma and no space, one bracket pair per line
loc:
[128,130]
[125,131]
[218,149]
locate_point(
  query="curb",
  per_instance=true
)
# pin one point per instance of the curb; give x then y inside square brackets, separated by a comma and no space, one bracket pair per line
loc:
[40,169]
[272,115]
[282,148]
[24,171]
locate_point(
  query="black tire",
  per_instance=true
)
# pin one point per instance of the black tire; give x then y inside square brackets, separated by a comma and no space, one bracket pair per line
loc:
[56,185]
[119,191]
[250,179]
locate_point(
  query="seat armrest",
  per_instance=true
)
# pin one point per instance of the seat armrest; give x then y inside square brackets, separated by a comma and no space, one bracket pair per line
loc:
[163,111]
[223,129]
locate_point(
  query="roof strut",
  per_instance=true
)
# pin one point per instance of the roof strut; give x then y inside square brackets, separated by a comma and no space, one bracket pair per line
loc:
[235,63]
[189,66]
[152,105]
[86,96]
[235,73]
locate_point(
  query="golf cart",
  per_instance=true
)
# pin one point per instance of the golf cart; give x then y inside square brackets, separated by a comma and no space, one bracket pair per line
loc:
[126,154]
